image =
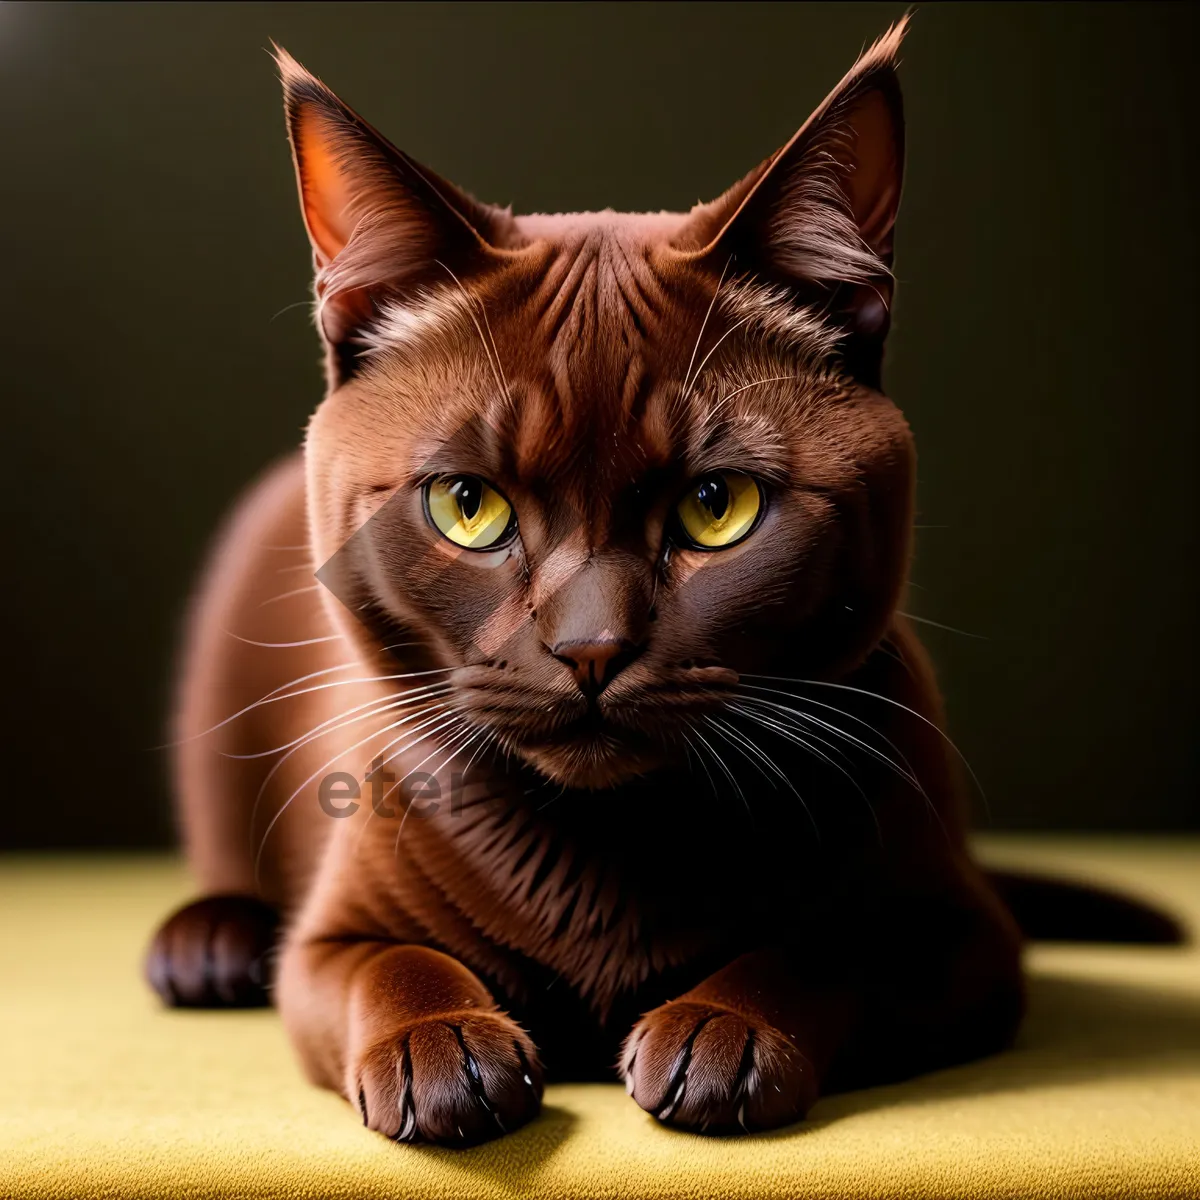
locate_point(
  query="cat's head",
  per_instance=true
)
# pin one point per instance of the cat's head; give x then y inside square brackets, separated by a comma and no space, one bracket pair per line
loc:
[600,464]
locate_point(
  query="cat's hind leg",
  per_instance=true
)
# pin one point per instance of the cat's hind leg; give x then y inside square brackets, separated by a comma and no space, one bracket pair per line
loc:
[217,952]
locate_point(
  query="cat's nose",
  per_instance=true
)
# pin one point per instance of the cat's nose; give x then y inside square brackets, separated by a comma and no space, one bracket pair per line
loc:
[595,664]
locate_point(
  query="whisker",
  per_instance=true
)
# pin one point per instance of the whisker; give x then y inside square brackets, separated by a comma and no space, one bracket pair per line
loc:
[289,307]
[562,791]
[687,375]
[728,773]
[983,637]
[746,745]
[341,724]
[845,687]
[778,723]
[708,416]
[312,587]
[473,300]
[274,697]
[491,739]
[430,691]
[792,736]
[837,730]
[712,783]
[456,745]
[751,752]
[787,713]
[452,721]
[320,770]
[333,637]
[907,775]
[717,345]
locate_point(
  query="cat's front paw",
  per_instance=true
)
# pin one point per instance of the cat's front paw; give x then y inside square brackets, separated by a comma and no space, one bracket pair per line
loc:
[701,1067]
[455,1079]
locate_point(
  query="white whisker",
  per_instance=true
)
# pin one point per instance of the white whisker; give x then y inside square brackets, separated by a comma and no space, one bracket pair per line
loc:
[717,345]
[341,723]
[938,625]
[728,773]
[792,736]
[472,301]
[300,591]
[905,771]
[747,746]
[452,721]
[845,687]
[324,767]
[333,637]
[393,699]
[687,375]
[275,697]
[455,745]
[708,416]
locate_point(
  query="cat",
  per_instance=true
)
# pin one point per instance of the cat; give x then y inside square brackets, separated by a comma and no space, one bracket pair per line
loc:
[599,742]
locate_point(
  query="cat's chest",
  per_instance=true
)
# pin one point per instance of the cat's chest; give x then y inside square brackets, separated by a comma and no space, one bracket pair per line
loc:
[603,905]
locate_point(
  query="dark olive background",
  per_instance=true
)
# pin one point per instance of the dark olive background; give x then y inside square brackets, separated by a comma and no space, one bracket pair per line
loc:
[157,352]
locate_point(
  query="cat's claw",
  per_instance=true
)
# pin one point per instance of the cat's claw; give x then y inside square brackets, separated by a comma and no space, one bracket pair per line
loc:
[700,1067]
[456,1080]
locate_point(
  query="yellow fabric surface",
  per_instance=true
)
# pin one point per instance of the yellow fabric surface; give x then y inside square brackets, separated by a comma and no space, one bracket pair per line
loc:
[102,1093]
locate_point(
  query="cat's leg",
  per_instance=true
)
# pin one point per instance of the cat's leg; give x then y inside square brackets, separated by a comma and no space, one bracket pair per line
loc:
[410,1037]
[754,1045]
[215,953]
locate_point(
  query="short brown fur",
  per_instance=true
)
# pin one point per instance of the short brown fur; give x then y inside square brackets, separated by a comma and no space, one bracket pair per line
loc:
[737,873]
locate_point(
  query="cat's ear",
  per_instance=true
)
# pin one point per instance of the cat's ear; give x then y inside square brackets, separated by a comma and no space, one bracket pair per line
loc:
[819,215]
[379,223]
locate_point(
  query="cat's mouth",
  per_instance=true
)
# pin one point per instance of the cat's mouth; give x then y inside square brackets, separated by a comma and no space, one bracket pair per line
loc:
[594,749]
[592,752]
[597,742]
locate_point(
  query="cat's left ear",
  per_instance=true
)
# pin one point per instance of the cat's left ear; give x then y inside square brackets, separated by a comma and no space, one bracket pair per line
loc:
[380,223]
[819,215]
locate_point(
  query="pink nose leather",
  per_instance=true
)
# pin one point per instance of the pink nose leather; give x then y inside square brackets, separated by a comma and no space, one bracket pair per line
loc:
[593,664]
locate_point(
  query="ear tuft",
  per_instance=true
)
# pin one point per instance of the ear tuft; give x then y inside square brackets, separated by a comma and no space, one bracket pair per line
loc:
[834,216]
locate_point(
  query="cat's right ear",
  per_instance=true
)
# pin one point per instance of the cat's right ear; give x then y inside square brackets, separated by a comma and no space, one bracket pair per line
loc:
[818,217]
[379,223]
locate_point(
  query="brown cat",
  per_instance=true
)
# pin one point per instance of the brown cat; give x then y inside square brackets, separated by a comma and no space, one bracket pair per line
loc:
[600,739]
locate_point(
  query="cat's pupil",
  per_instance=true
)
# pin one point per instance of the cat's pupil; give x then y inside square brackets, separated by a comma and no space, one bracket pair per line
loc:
[714,495]
[469,494]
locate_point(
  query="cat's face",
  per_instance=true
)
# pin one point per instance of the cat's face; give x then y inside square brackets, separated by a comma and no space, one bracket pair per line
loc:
[602,464]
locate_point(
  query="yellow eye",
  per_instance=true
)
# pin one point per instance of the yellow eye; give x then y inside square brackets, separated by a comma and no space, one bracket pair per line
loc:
[469,511]
[720,509]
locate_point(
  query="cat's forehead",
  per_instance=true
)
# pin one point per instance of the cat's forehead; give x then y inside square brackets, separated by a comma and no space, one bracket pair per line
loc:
[595,351]
[632,228]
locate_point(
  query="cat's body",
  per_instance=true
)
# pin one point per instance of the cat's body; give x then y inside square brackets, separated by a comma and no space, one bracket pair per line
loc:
[675,794]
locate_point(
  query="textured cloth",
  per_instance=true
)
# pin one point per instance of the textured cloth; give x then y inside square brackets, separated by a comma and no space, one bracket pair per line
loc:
[103,1093]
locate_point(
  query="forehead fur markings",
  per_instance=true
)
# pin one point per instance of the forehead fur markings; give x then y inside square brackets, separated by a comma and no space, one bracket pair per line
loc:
[599,304]
[440,318]
[771,314]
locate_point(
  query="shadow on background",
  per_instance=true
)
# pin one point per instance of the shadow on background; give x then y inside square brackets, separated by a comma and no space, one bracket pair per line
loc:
[158,353]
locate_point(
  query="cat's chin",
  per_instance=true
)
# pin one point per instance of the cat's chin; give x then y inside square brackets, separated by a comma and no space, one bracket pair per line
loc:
[589,764]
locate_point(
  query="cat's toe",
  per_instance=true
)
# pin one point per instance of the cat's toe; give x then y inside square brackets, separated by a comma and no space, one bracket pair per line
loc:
[455,1080]
[709,1069]
[215,953]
